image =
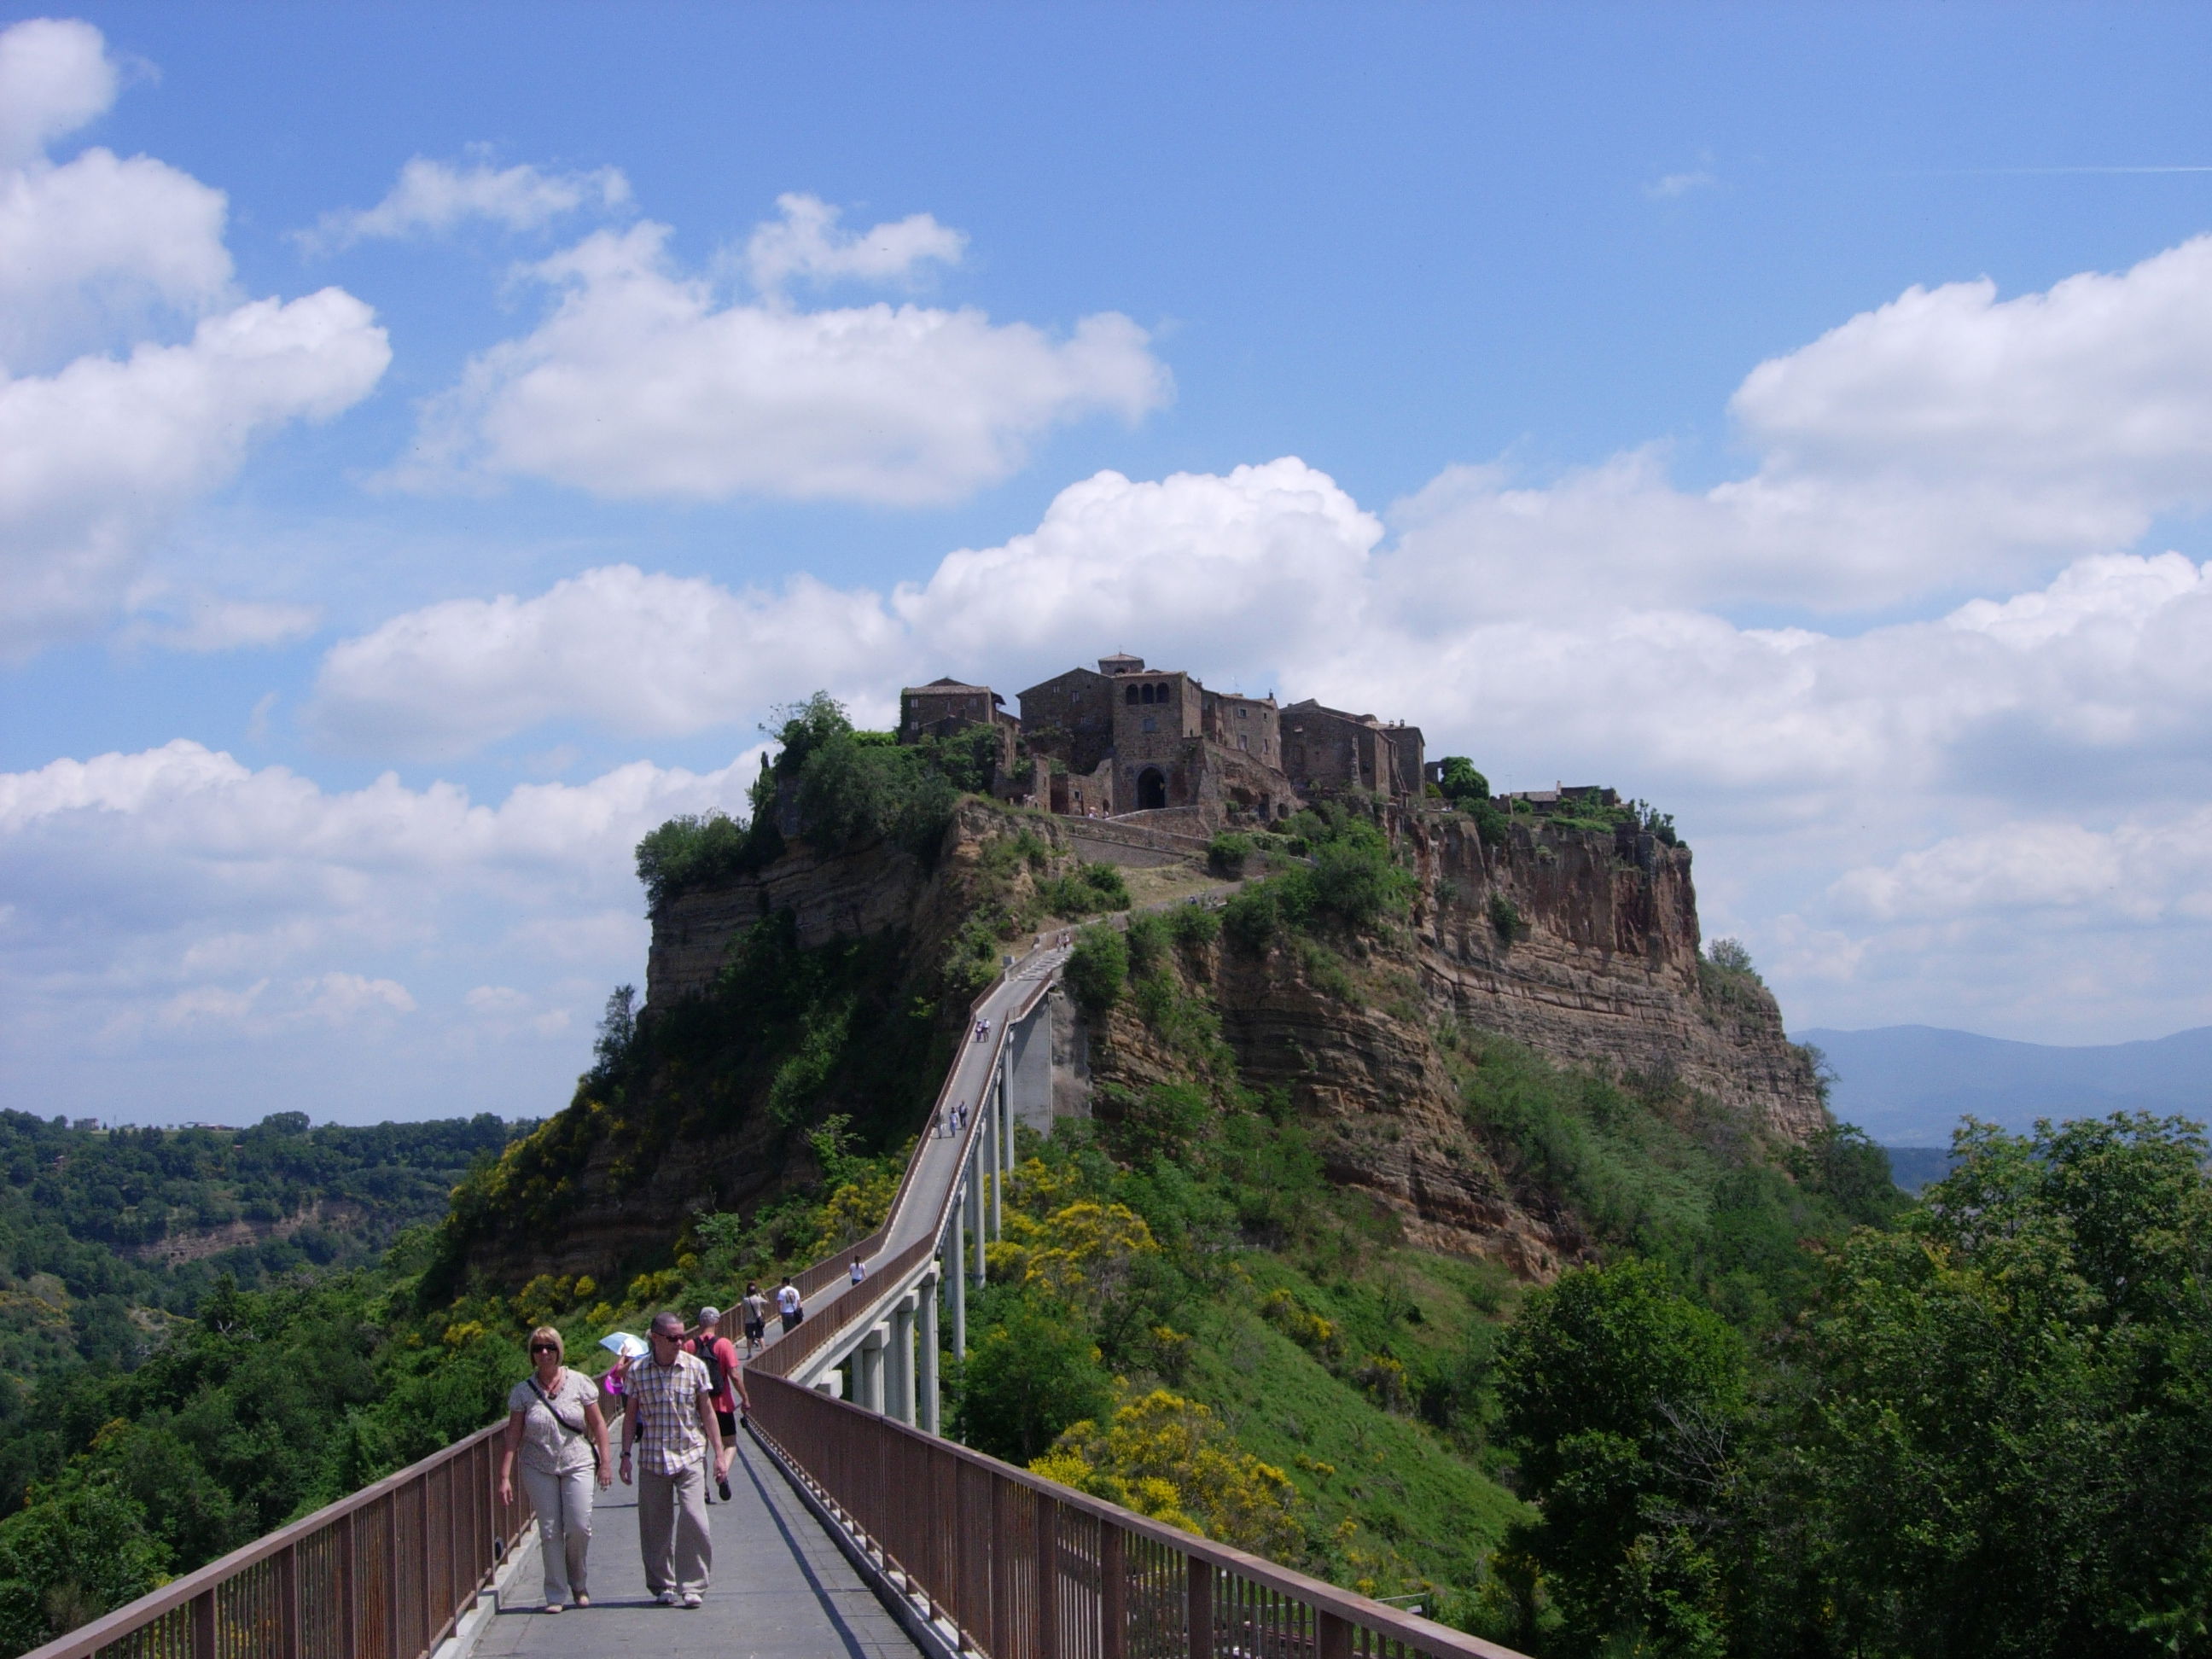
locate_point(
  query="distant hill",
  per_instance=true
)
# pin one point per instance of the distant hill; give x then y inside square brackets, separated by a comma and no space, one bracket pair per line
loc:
[1906,1085]
[106,1235]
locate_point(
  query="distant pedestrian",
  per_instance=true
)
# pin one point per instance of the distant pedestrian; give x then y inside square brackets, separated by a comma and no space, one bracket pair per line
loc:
[724,1373]
[788,1304]
[756,1308]
[860,1270]
[553,1419]
[672,1428]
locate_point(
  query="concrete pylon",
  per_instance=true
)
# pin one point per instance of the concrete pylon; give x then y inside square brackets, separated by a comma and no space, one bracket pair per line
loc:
[898,1373]
[975,1217]
[868,1366]
[956,1275]
[928,1404]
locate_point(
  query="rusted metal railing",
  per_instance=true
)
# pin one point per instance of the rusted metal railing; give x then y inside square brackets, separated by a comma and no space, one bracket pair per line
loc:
[1020,1567]
[385,1574]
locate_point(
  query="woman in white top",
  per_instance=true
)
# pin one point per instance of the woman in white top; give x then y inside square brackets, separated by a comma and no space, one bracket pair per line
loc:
[553,1415]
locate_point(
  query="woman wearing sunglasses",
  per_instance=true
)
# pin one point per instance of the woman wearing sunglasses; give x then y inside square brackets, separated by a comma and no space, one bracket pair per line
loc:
[553,1415]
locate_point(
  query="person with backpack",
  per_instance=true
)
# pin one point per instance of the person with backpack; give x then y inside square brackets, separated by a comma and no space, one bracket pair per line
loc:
[755,1307]
[788,1304]
[553,1419]
[725,1375]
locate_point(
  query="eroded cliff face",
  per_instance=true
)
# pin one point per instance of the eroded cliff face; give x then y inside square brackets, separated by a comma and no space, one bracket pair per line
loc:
[1607,972]
[708,1113]
[1603,971]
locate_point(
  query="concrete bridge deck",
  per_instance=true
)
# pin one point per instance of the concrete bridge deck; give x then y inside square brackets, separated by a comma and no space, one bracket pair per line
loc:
[781,1589]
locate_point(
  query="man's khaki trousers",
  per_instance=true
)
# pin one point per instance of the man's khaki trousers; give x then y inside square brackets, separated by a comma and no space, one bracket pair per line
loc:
[671,1530]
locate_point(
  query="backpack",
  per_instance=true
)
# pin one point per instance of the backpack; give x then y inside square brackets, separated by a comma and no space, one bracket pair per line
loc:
[705,1349]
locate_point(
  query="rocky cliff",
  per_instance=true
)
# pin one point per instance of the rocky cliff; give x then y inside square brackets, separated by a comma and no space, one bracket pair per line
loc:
[1581,946]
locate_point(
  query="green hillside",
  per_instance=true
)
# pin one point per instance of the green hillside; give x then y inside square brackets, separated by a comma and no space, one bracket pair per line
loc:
[107,1235]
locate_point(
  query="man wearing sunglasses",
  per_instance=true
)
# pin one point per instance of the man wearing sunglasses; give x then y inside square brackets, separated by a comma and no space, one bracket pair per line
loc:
[670,1424]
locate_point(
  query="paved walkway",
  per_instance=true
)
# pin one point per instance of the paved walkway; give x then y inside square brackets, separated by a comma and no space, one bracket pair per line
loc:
[781,1589]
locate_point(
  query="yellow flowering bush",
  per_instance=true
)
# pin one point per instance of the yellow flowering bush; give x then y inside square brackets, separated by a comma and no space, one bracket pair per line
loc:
[1084,1253]
[1170,1458]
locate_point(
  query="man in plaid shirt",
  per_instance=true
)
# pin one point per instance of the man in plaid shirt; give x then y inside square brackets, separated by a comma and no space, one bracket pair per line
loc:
[671,1423]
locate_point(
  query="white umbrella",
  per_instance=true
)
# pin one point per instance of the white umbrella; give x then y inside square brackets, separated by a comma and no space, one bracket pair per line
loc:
[623,1344]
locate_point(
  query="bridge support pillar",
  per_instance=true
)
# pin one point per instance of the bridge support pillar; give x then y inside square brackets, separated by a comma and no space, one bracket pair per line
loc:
[975,1218]
[1000,1160]
[987,1164]
[868,1371]
[898,1373]
[956,1275]
[925,1399]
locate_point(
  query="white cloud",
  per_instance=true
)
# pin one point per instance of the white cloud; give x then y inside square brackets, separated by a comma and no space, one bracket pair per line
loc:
[97,460]
[431,198]
[807,242]
[639,384]
[98,244]
[1667,187]
[1279,547]
[176,895]
[54,76]
[100,452]
[205,623]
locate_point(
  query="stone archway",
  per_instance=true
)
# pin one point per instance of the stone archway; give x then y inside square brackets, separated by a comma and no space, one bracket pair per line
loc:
[1152,789]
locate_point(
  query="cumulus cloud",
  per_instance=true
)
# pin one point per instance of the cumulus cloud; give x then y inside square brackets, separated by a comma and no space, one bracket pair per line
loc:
[1280,547]
[101,451]
[176,894]
[639,385]
[97,460]
[808,242]
[432,199]
[54,76]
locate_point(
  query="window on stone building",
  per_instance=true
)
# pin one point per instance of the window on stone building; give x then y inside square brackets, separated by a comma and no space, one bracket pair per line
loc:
[1133,694]
[1151,724]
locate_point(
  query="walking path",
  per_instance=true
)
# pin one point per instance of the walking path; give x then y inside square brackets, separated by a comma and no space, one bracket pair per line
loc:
[781,1589]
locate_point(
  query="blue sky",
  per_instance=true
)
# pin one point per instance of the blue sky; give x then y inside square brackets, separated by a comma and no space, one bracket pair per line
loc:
[439,435]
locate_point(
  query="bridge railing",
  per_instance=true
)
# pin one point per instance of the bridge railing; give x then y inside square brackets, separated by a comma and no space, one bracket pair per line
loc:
[1023,1568]
[385,1574]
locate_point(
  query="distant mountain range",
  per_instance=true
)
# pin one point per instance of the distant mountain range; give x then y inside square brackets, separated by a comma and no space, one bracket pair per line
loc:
[1906,1085]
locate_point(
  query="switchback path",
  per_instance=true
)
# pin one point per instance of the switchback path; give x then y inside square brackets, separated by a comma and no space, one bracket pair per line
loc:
[782,1589]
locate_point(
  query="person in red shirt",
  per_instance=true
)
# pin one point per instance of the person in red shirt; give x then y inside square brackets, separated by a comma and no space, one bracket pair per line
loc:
[726,1372]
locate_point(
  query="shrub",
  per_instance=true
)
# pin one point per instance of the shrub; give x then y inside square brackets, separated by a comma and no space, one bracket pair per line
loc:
[1193,926]
[689,851]
[1252,917]
[1031,1378]
[1099,968]
[1090,888]
[1227,853]
[1160,1122]
[1355,876]
[1506,919]
[1730,956]
[1148,943]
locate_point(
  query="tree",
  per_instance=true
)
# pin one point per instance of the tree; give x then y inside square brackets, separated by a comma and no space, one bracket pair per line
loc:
[1031,1377]
[1461,784]
[1621,1397]
[2010,1448]
[1097,968]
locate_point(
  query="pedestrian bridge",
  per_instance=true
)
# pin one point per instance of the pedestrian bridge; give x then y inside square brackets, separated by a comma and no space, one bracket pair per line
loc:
[853,1529]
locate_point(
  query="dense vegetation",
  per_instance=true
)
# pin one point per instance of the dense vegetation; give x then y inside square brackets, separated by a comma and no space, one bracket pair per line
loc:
[107,1235]
[845,788]
[198,1342]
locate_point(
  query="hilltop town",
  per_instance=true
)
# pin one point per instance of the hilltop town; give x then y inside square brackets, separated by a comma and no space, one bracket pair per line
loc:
[1124,739]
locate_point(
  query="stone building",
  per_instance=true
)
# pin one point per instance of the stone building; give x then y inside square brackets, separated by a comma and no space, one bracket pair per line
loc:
[1123,737]
[1328,749]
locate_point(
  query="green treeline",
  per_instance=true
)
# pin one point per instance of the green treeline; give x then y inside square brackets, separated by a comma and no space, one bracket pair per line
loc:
[90,1220]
